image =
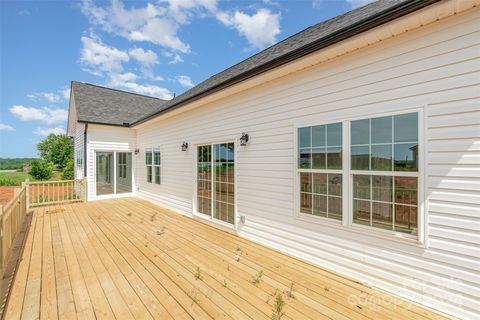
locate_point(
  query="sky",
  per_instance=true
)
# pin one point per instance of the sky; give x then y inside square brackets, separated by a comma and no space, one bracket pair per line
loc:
[158,48]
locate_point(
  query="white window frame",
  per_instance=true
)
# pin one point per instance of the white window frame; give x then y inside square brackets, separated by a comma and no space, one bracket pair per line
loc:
[153,165]
[347,181]
[324,171]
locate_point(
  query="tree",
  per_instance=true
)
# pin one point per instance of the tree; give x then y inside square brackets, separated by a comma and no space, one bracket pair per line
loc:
[56,148]
[41,169]
[67,173]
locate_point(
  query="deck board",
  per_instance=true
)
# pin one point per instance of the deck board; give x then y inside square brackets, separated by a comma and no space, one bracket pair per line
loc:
[129,259]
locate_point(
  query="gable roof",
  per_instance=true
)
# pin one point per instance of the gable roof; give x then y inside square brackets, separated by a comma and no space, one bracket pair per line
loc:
[95,104]
[99,105]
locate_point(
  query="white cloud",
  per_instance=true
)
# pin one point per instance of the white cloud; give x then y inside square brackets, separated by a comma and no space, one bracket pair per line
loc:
[99,58]
[358,3]
[5,127]
[47,115]
[185,81]
[47,131]
[151,23]
[176,59]
[65,93]
[260,29]
[24,12]
[146,58]
[47,96]
[127,81]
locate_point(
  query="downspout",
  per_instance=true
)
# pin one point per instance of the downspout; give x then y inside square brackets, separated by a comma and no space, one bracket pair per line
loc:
[85,150]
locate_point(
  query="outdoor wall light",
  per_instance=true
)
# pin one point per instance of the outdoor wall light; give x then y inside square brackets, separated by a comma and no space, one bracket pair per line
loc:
[184,146]
[244,139]
[137,151]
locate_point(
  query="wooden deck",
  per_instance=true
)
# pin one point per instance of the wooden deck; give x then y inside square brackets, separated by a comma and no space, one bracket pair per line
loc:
[129,259]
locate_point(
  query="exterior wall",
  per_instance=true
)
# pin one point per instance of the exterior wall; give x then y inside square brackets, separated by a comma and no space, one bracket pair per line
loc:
[78,146]
[106,138]
[435,68]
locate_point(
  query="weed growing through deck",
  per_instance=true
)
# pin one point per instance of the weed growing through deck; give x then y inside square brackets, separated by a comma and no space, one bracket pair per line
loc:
[224,283]
[257,278]
[290,293]
[129,214]
[159,233]
[152,217]
[278,307]
[198,274]
[238,253]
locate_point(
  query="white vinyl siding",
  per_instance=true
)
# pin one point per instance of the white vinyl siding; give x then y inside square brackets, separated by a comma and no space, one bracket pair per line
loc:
[78,147]
[436,69]
[107,138]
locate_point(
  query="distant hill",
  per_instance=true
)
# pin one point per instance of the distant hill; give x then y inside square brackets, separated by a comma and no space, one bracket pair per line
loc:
[13,163]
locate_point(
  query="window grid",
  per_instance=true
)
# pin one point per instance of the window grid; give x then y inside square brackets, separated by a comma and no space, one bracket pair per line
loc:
[153,164]
[324,170]
[216,181]
[403,177]
[393,174]
[204,179]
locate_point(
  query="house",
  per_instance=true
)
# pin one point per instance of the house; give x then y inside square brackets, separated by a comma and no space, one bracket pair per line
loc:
[353,145]
[26,167]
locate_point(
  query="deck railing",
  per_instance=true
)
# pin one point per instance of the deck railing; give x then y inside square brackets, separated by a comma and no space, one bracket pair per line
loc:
[12,217]
[42,193]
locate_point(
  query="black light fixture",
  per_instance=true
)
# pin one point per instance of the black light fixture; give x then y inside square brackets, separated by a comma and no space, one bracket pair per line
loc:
[244,139]
[184,146]
[137,151]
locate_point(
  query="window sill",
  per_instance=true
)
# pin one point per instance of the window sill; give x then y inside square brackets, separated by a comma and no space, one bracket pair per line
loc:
[354,231]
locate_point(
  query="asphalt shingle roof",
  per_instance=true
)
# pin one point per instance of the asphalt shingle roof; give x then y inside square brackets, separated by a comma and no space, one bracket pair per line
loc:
[144,108]
[97,104]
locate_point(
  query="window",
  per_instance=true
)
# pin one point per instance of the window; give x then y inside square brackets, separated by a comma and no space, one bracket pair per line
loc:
[153,162]
[384,167]
[382,175]
[122,164]
[79,161]
[320,167]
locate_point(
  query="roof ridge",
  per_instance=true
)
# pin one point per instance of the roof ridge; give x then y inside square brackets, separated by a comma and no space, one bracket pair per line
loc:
[118,90]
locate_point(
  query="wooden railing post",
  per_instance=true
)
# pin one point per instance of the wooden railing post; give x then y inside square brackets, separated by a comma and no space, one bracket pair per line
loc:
[27,190]
[85,190]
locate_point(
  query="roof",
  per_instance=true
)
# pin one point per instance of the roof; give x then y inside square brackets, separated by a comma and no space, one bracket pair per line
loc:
[96,104]
[307,41]
[136,109]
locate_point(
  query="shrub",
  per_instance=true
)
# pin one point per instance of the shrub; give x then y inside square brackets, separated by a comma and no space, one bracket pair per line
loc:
[67,173]
[41,170]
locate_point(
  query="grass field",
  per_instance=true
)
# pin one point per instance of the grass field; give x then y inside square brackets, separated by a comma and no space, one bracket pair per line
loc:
[16,178]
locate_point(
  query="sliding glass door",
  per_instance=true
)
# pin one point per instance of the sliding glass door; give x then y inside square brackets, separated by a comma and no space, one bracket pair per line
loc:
[124,172]
[104,173]
[114,173]
[216,181]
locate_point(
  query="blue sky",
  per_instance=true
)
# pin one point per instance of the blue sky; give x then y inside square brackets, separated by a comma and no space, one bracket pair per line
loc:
[156,48]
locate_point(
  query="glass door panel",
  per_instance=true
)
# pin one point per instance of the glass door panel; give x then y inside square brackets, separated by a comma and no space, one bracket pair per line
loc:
[215,181]
[104,173]
[224,184]
[124,172]
[204,180]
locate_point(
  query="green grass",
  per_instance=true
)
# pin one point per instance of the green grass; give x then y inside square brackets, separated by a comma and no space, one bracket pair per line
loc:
[16,178]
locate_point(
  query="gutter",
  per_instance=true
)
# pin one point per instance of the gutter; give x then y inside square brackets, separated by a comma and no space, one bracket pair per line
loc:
[393,13]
